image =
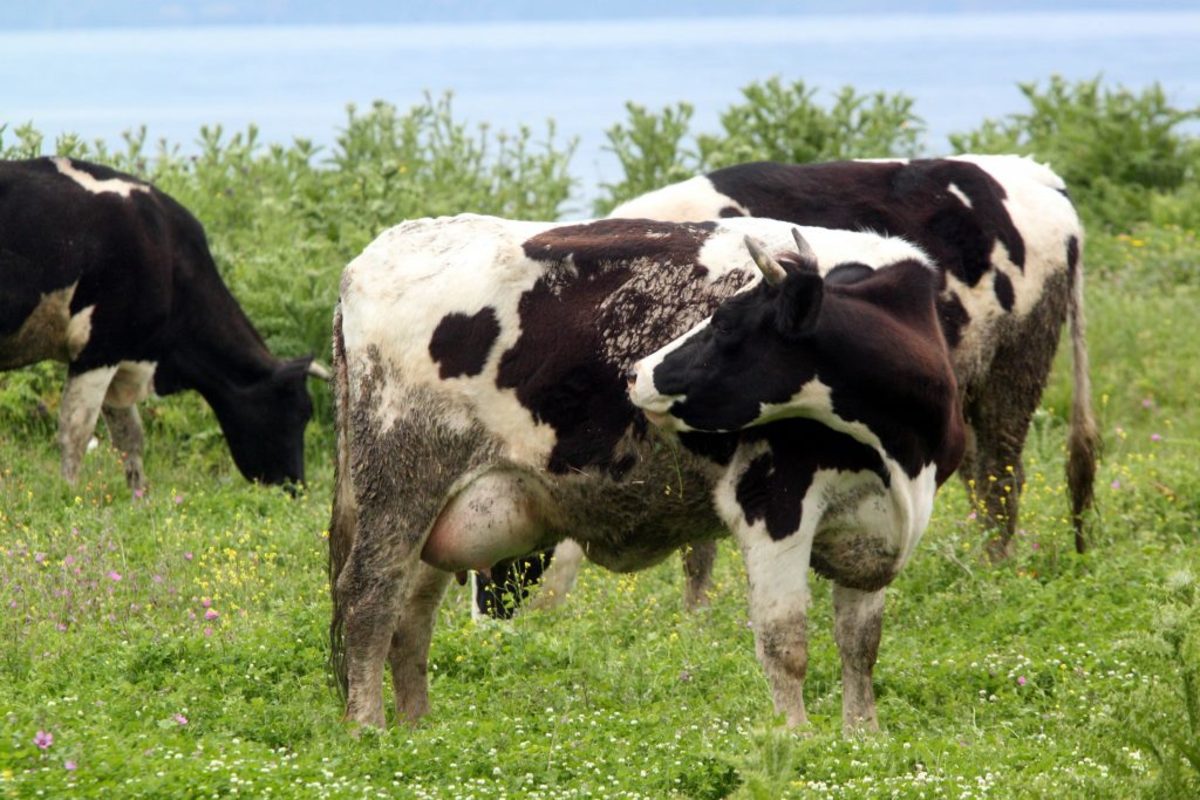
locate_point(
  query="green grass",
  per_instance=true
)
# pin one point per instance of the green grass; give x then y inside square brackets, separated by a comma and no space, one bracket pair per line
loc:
[174,644]
[1051,674]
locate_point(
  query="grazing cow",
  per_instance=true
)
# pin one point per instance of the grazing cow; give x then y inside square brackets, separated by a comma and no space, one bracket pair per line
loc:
[481,372]
[1007,241]
[106,273]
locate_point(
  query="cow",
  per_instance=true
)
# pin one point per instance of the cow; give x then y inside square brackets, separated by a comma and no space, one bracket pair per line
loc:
[481,380]
[1008,243]
[106,273]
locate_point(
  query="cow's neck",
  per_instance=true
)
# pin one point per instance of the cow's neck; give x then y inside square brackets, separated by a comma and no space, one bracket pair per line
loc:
[216,352]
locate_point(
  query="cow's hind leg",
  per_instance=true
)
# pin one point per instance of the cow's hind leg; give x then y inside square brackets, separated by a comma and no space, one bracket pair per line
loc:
[409,650]
[999,413]
[130,385]
[81,401]
[368,597]
[858,625]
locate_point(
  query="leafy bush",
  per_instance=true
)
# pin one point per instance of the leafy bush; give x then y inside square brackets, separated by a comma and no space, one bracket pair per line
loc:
[282,221]
[1121,152]
[775,122]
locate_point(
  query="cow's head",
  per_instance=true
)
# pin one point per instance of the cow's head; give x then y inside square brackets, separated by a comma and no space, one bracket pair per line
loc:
[795,345]
[264,423]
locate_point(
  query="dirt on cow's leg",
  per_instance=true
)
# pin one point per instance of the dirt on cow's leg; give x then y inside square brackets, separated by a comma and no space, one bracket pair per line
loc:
[698,559]
[858,625]
[81,401]
[409,651]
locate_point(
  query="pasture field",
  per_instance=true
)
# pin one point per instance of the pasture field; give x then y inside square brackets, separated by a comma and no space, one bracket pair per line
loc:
[173,644]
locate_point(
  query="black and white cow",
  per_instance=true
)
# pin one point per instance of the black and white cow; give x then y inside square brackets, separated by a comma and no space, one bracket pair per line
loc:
[482,370]
[1007,241]
[106,273]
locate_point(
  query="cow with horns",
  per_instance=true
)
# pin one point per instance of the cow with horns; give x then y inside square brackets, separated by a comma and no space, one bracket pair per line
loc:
[483,376]
[1007,242]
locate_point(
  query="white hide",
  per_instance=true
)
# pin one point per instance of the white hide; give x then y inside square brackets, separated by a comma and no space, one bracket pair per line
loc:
[692,200]
[117,186]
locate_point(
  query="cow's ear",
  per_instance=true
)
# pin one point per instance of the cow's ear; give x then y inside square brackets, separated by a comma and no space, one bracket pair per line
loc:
[799,303]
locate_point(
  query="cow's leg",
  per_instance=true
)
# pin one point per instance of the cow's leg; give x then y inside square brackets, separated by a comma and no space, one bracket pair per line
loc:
[999,412]
[130,385]
[81,400]
[698,559]
[409,650]
[125,427]
[858,624]
[559,577]
[778,575]
[369,593]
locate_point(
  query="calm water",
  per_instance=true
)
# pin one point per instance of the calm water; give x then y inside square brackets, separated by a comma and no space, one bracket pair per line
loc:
[296,81]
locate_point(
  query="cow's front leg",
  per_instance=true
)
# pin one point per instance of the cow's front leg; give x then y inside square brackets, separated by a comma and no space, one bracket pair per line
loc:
[409,651]
[778,576]
[858,625]
[125,428]
[81,401]
[559,577]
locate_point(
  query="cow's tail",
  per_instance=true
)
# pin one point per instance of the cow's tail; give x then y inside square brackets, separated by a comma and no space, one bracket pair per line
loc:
[343,520]
[1083,440]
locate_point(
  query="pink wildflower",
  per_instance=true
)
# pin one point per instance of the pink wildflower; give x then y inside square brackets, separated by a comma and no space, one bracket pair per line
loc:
[208,631]
[178,499]
[1147,403]
[39,557]
[138,494]
[1021,680]
[187,556]
[211,614]
[43,739]
[1154,437]
[113,575]
[70,766]
[181,719]
[1116,484]
[206,602]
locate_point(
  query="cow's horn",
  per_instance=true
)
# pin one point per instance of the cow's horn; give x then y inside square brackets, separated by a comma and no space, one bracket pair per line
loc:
[804,248]
[773,272]
[318,370]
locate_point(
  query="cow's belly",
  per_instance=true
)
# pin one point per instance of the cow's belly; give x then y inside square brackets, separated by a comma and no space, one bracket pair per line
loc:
[663,503]
[624,525]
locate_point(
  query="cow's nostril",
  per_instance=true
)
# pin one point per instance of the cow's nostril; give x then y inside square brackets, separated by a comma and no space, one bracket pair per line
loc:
[631,374]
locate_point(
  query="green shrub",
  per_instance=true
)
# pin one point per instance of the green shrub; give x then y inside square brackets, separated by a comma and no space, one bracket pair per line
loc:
[1117,149]
[774,122]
